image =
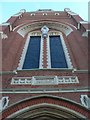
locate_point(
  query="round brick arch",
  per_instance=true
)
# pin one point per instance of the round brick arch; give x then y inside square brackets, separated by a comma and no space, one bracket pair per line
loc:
[25,28]
[45,106]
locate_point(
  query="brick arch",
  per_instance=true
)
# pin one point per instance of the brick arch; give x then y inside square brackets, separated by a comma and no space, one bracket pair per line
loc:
[42,102]
[48,20]
[23,29]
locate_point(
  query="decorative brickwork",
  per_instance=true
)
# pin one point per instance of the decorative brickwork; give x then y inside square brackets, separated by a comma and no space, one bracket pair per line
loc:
[45,92]
[46,99]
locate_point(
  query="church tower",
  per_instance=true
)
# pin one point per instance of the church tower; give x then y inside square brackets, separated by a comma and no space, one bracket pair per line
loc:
[45,66]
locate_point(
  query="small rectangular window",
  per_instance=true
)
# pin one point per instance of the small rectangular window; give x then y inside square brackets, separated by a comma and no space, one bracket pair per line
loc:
[32,14]
[56,13]
[44,14]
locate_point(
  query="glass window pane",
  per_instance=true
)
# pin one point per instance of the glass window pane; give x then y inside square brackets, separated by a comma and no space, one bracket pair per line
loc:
[58,59]
[33,53]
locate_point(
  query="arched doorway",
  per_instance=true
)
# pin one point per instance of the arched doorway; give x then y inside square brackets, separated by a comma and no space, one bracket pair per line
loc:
[45,107]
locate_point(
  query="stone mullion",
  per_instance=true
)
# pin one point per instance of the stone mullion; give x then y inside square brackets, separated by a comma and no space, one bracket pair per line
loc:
[45,53]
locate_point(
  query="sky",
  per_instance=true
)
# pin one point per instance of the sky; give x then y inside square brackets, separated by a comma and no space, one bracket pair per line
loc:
[8,8]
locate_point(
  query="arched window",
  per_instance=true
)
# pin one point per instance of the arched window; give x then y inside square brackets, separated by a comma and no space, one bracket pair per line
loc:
[33,53]
[3,103]
[52,48]
[58,59]
[85,100]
